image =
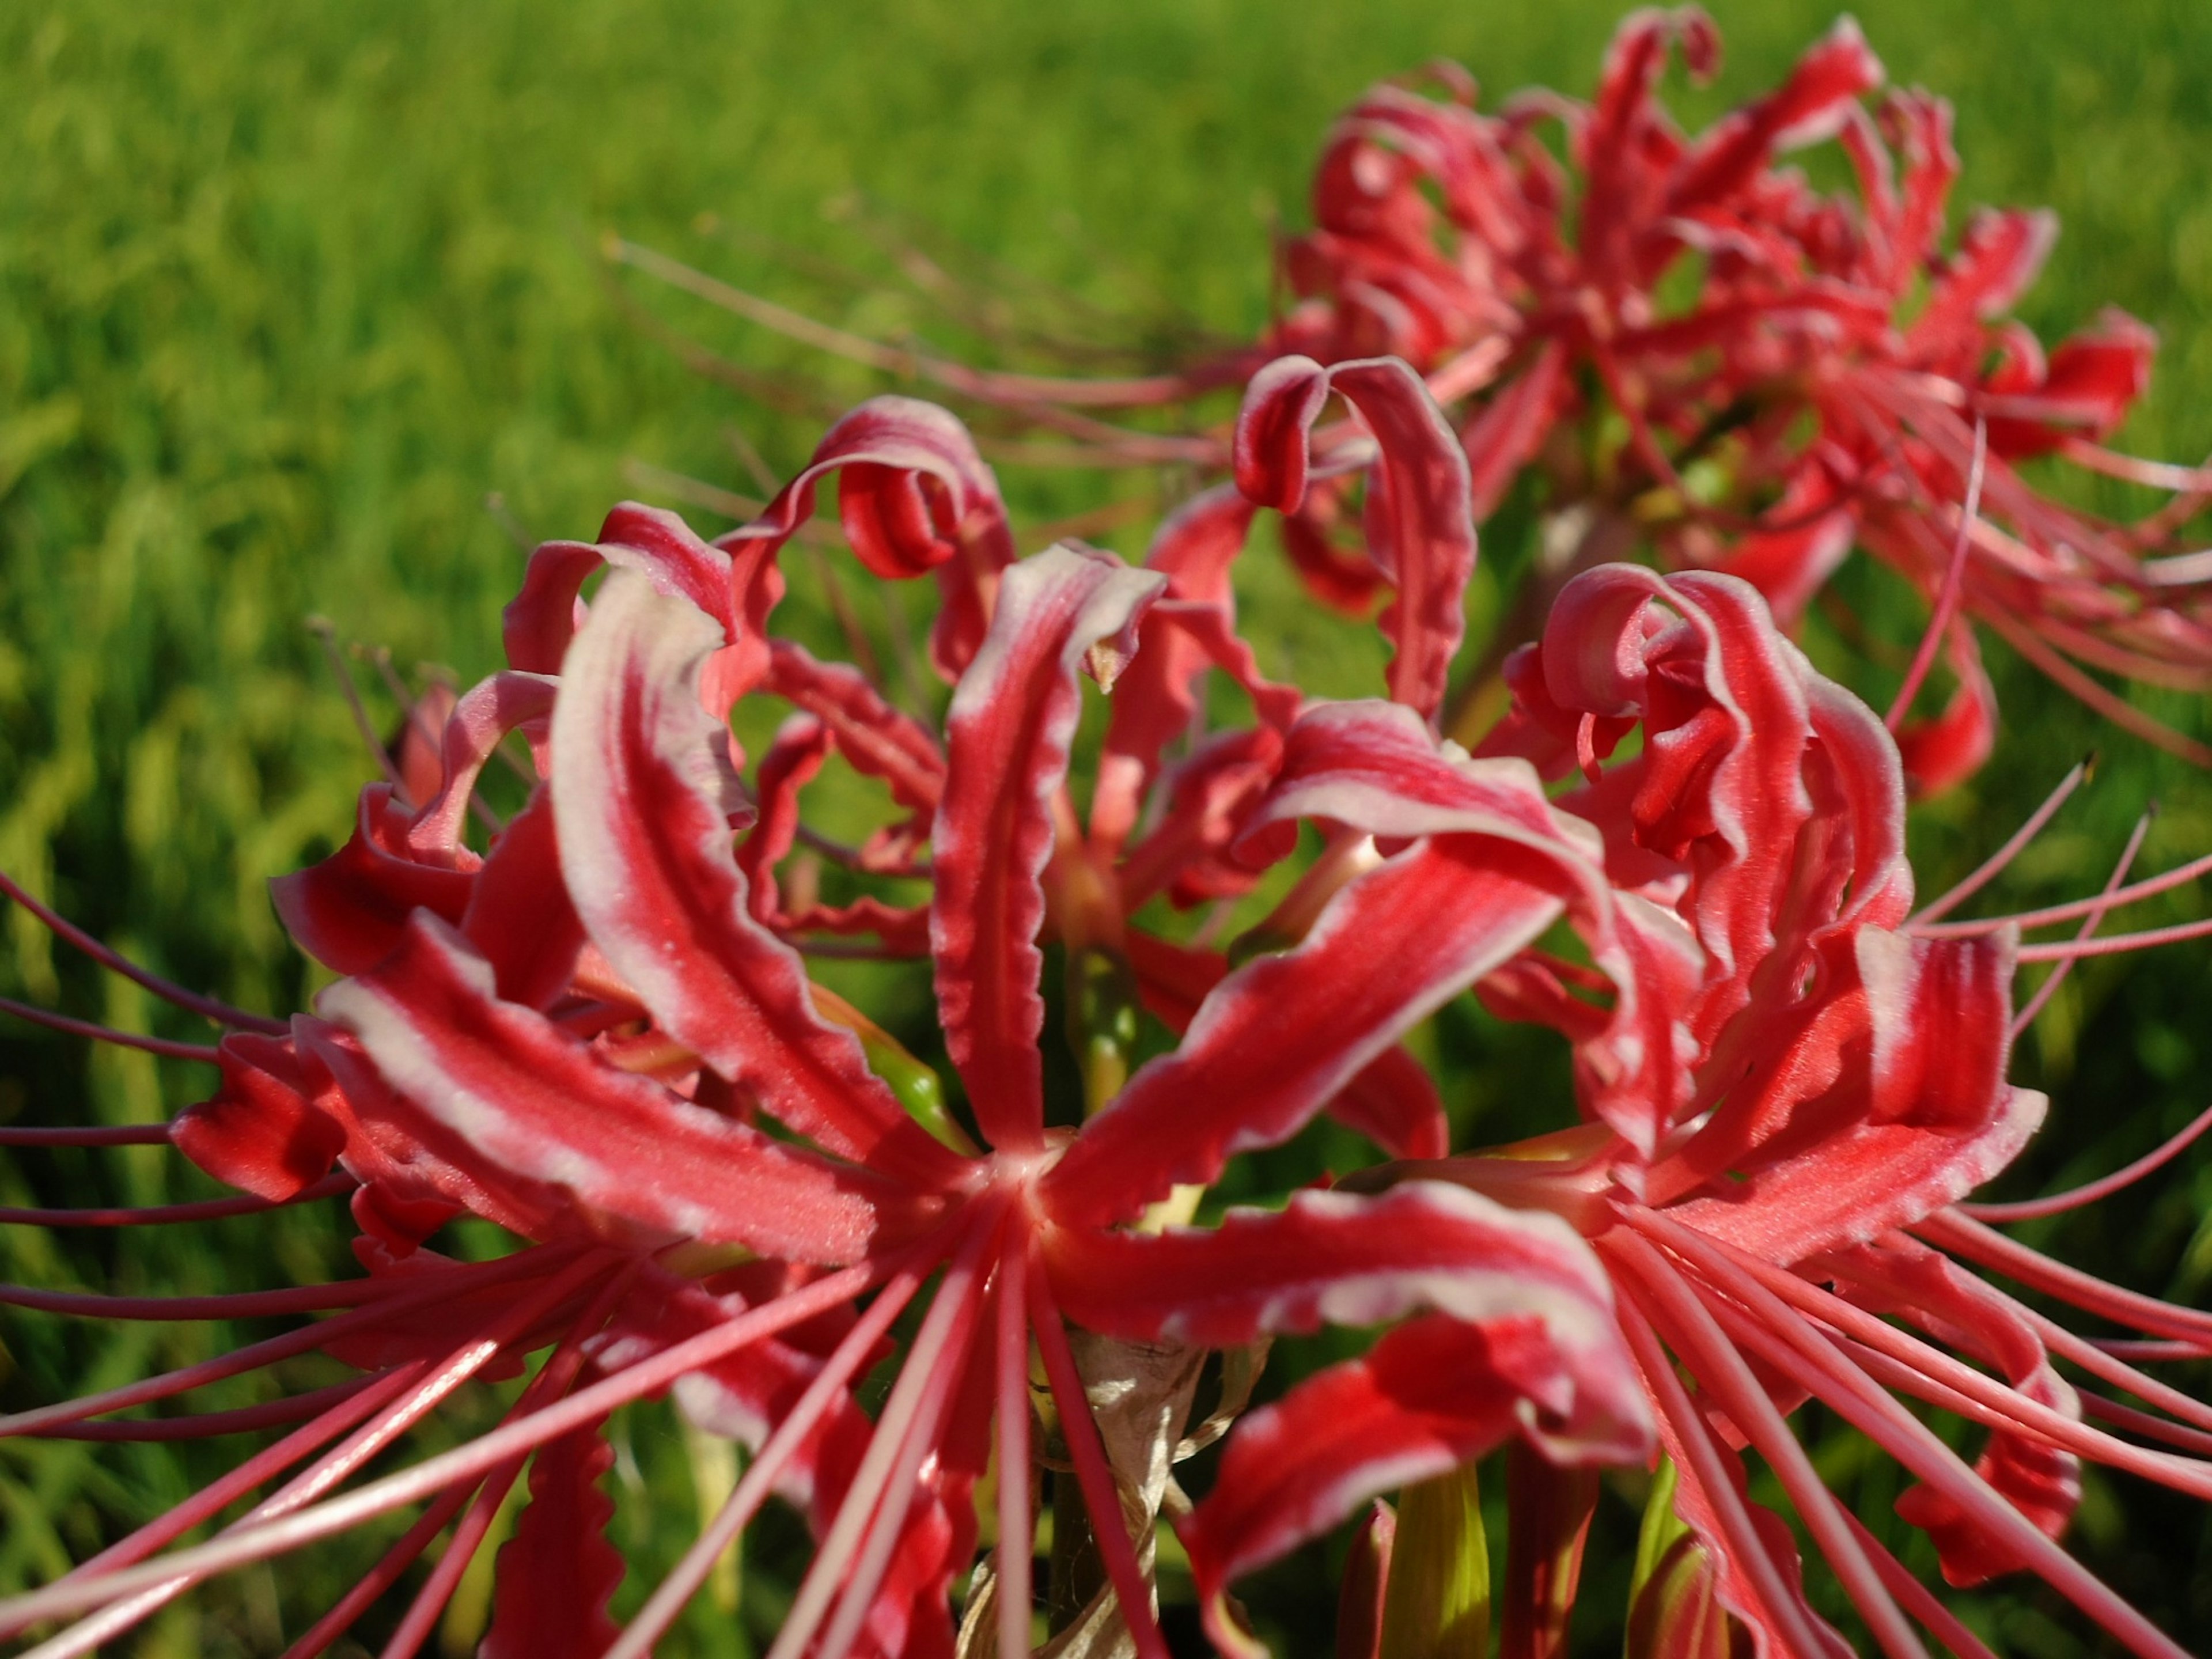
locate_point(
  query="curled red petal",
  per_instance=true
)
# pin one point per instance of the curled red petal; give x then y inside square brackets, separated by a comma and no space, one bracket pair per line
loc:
[1193,628]
[1899,1109]
[875,738]
[801,744]
[1418,516]
[1791,563]
[639,800]
[1504,438]
[1374,767]
[1811,105]
[1950,747]
[262,1130]
[347,912]
[914,495]
[1394,1103]
[1011,718]
[1334,1258]
[1997,261]
[502,703]
[519,915]
[544,615]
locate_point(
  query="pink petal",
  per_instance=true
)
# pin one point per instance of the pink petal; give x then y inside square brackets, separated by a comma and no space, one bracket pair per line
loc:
[1419,516]
[645,846]
[523,1098]
[1008,730]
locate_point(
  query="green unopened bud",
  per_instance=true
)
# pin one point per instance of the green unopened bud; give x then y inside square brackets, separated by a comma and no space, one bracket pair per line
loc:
[1437,1606]
[918,1088]
[1101,1021]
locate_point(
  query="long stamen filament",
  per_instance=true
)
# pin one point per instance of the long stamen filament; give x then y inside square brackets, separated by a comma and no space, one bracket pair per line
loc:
[260,1542]
[1992,866]
[2090,1192]
[2057,977]
[675,1591]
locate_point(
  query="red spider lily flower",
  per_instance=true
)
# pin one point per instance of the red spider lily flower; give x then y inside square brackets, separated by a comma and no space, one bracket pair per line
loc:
[599,1035]
[1759,374]
[1790,1083]
[1801,397]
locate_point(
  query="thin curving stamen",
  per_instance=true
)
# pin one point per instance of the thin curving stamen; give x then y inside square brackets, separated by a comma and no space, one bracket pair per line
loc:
[676,1591]
[1993,866]
[207,1007]
[1946,597]
[204,1209]
[2029,1209]
[165,1047]
[124,1134]
[2028,1015]
[2134,892]
[433,1474]
[2116,943]
[326,632]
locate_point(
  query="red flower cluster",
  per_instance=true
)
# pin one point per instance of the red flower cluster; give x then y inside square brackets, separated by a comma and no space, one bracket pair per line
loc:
[600,1034]
[1704,357]
[1793,372]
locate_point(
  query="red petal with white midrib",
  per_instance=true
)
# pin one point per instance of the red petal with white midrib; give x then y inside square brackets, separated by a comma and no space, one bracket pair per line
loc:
[1008,730]
[645,848]
[1332,1258]
[1277,1040]
[529,1099]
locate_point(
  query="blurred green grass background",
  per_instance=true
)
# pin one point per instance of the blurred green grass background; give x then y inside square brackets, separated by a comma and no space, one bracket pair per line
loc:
[286,291]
